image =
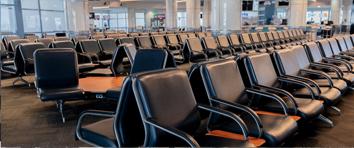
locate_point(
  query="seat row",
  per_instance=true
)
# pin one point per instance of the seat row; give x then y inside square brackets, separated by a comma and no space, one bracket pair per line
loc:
[240,101]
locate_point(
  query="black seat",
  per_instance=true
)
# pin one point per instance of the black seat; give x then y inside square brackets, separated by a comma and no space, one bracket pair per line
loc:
[272,40]
[288,66]
[144,42]
[257,42]
[92,49]
[236,44]
[263,76]
[122,128]
[331,53]
[211,45]
[45,41]
[317,72]
[123,40]
[334,71]
[182,37]
[7,39]
[108,46]
[84,62]
[57,76]
[225,89]
[13,44]
[171,116]
[247,43]
[193,51]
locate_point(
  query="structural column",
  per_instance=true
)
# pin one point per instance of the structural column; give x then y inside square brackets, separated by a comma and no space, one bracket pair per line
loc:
[171,14]
[77,12]
[206,13]
[347,11]
[193,14]
[225,15]
[336,11]
[297,13]
[131,19]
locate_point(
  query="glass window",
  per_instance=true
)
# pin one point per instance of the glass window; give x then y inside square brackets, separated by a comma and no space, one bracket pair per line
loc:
[52,4]
[140,20]
[181,19]
[7,24]
[53,21]
[29,4]
[31,21]
[7,1]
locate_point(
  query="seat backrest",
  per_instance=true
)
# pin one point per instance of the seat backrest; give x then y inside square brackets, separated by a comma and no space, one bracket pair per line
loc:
[159,40]
[191,35]
[234,40]
[144,42]
[263,37]
[314,52]
[90,46]
[182,37]
[302,56]
[2,47]
[334,46]
[123,51]
[167,97]
[32,38]
[341,43]
[286,34]
[270,36]
[286,62]
[79,38]
[208,34]
[260,69]
[255,37]
[56,68]
[129,127]
[201,34]
[157,60]
[61,39]
[210,43]
[14,43]
[133,34]
[107,44]
[63,44]
[293,32]
[326,48]
[194,44]
[222,80]
[172,39]
[246,38]
[8,38]
[348,42]
[27,50]
[45,41]
[127,40]
[96,37]
[275,35]
[223,42]
[281,35]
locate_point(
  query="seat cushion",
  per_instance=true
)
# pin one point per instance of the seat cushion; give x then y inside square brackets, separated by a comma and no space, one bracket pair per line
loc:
[214,141]
[328,94]
[100,72]
[106,62]
[337,83]
[9,69]
[87,67]
[61,94]
[113,93]
[309,108]
[100,133]
[347,76]
[277,128]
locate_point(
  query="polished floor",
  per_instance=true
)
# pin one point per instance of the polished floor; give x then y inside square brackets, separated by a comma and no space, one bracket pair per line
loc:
[28,122]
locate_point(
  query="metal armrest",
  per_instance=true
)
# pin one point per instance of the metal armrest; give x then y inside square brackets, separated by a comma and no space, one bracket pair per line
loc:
[343,56]
[305,80]
[338,72]
[319,73]
[278,91]
[175,132]
[85,56]
[245,109]
[338,61]
[270,96]
[292,81]
[230,115]
[95,113]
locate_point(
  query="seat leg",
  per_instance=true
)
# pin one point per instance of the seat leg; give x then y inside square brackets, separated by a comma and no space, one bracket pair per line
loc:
[325,120]
[60,106]
[20,79]
[335,110]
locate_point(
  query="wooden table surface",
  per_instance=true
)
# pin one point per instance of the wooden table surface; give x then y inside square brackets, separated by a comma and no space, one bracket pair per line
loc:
[100,84]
